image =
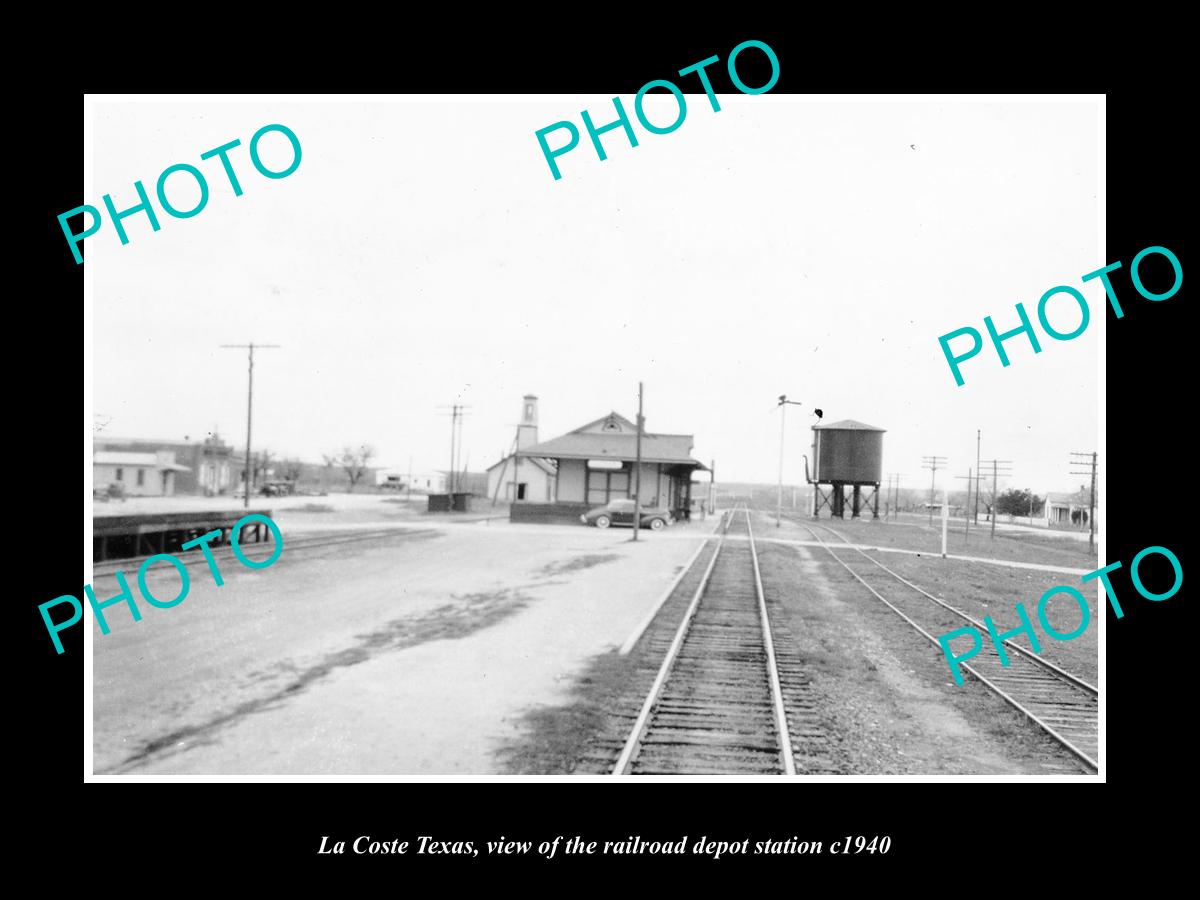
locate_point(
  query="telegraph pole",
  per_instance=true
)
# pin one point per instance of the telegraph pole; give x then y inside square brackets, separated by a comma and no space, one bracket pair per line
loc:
[250,405]
[453,430]
[894,490]
[933,463]
[637,473]
[783,405]
[712,485]
[457,414]
[978,471]
[967,508]
[1092,493]
[996,465]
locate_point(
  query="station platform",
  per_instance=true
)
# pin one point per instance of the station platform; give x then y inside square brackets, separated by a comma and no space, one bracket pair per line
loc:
[137,534]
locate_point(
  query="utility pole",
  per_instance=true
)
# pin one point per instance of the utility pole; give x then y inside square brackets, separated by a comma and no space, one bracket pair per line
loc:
[712,486]
[460,470]
[783,405]
[978,471]
[996,465]
[967,508]
[933,463]
[250,406]
[1091,494]
[945,517]
[454,433]
[637,473]
[457,414]
[894,491]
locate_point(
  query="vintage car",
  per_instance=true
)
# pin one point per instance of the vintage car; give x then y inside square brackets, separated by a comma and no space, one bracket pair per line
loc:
[621,512]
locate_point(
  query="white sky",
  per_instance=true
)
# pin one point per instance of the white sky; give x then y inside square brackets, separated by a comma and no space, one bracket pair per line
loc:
[423,255]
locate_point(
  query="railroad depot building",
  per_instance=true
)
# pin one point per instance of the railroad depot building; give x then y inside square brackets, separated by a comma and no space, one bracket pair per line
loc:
[558,479]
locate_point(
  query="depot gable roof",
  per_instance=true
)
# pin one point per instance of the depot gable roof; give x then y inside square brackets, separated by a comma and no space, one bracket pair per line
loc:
[615,437]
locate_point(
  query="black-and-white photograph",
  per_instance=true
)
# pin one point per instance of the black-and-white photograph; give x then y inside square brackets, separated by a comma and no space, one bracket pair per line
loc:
[531,436]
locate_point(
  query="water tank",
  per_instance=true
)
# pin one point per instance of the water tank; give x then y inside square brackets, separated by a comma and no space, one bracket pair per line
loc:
[848,451]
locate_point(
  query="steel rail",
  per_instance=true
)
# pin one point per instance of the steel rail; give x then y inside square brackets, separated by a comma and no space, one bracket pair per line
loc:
[631,641]
[1029,654]
[639,725]
[643,725]
[781,725]
[1000,692]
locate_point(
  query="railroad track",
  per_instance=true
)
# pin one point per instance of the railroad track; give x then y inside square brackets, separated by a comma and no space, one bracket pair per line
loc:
[1062,705]
[717,704]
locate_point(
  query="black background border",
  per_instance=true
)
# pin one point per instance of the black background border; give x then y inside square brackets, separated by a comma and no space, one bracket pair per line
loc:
[278,827]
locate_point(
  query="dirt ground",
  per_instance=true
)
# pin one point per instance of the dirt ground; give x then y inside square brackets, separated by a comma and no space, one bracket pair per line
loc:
[886,690]
[982,589]
[879,698]
[413,653]
[979,590]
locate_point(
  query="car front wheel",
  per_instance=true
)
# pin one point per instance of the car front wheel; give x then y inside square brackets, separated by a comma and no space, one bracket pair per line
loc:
[603,522]
[657,524]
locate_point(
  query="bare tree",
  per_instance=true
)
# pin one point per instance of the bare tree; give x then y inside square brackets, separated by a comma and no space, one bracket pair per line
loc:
[353,462]
[291,469]
[262,464]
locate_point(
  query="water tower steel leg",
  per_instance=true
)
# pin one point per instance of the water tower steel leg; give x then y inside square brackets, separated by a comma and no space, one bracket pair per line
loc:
[855,501]
[876,511]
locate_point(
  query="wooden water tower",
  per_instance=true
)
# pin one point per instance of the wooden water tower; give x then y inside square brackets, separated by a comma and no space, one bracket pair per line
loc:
[846,454]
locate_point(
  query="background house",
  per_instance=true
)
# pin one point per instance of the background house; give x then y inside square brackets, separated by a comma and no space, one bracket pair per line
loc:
[138,474]
[1064,510]
[207,466]
[420,482]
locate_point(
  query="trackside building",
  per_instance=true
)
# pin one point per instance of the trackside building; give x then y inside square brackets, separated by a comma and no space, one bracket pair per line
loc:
[597,463]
